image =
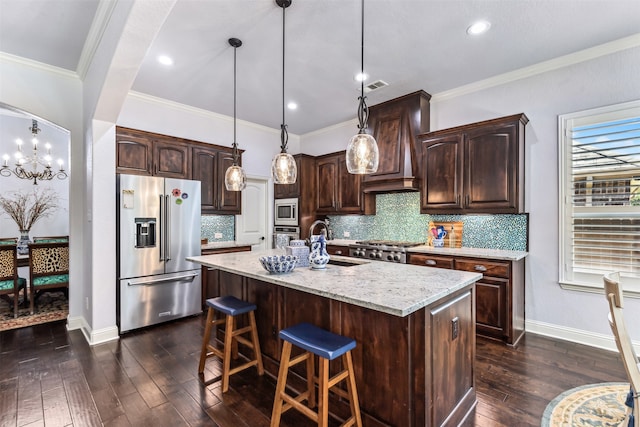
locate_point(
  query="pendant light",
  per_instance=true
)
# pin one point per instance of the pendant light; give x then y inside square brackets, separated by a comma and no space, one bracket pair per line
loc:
[283,166]
[234,178]
[362,151]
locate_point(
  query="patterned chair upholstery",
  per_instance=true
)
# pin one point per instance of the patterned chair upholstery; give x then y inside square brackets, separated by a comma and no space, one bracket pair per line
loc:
[48,268]
[10,283]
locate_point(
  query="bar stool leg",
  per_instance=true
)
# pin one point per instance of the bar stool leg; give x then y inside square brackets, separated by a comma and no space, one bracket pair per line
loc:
[228,340]
[323,392]
[311,384]
[256,343]
[351,389]
[281,385]
[205,340]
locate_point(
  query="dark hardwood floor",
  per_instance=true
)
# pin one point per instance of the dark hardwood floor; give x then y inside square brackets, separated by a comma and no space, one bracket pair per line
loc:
[52,377]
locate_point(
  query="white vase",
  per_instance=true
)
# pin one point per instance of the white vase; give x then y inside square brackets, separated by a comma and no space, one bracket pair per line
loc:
[23,242]
[318,257]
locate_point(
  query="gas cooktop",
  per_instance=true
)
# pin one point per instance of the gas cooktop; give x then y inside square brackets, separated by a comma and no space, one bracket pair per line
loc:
[394,243]
[382,250]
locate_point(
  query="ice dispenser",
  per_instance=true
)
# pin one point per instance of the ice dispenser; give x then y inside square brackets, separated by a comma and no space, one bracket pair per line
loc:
[145,232]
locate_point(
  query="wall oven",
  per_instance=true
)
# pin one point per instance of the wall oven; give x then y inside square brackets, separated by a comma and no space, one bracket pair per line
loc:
[286,212]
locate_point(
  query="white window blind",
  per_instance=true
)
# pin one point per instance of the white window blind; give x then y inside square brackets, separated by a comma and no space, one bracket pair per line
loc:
[600,195]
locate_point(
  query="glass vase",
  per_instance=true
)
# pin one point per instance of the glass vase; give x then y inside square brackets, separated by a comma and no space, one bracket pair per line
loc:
[23,242]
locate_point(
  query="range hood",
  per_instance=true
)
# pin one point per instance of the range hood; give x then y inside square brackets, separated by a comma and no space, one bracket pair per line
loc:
[394,124]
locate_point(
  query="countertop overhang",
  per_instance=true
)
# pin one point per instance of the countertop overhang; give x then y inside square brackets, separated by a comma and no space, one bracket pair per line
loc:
[396,289]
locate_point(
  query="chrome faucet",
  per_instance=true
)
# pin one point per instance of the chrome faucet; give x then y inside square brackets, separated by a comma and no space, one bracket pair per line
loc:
[327,232]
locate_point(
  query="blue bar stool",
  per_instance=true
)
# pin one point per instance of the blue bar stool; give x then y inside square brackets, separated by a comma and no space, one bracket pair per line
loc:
[231,307]
[327,346]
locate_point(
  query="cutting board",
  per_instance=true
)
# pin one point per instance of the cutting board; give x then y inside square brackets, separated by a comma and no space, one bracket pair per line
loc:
[458,226]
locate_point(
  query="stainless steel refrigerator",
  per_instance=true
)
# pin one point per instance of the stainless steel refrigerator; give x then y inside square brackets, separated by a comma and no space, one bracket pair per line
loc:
[158,227]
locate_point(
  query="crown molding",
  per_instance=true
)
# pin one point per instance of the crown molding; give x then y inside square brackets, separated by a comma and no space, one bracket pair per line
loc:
[199,111]
[7,57]
[542,67]
[98,27]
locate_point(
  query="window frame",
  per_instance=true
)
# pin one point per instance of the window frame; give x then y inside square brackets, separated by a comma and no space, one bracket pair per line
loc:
[568,278]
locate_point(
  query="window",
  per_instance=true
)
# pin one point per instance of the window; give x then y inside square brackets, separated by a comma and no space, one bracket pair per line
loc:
[600,196]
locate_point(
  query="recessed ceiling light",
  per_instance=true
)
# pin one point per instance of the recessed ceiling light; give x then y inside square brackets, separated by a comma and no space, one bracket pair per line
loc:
[292,105]
[478,28]
[165,60]
[360,77]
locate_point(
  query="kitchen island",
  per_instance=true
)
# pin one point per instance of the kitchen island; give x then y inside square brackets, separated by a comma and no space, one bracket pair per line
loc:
[414,326]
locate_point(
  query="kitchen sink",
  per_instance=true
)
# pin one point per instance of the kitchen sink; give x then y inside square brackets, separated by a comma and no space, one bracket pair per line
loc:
[345,263]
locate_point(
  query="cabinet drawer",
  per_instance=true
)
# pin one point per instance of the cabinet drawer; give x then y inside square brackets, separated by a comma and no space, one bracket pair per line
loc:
[429,260]
[338,250]
[487,268]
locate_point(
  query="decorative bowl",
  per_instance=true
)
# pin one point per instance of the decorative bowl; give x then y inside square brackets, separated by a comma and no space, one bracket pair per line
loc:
[279,264]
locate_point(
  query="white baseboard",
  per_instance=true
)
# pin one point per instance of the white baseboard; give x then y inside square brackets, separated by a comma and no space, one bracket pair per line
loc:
[93,337]
[579,336]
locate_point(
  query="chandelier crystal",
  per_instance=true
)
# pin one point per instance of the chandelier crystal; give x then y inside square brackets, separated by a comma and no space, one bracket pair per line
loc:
[26,167]
[362,151]
[283,165]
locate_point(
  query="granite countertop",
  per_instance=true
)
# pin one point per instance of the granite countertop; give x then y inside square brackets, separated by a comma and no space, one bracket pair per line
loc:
[223,245]
[396,289]
[464,251]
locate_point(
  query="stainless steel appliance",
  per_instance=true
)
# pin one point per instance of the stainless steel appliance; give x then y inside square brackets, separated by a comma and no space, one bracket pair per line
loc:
[286,212]
[382,250]
[158,227]
[283,235]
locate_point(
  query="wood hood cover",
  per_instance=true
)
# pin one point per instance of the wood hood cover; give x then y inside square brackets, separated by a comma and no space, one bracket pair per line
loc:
[394,124]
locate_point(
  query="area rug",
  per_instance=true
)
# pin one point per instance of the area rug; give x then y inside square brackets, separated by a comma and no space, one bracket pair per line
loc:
[51,306]
[593,405]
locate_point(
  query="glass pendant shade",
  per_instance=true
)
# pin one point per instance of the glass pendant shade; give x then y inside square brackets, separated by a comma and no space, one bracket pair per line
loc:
[284,169]
[362,154]
[235,179]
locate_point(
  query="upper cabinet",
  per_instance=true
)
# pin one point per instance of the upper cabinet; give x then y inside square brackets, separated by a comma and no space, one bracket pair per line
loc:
[304,182]
[340,192]
[146,153]
[476,168]
[394,125]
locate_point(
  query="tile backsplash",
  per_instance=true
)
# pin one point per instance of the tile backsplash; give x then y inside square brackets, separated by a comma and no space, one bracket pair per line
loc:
[398,217]
[212,224]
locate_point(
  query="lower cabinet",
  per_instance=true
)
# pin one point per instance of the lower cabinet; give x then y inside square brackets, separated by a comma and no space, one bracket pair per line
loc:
[216,282]
[499,294]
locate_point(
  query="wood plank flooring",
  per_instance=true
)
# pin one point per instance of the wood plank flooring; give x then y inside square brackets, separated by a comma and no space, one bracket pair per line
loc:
[52,377]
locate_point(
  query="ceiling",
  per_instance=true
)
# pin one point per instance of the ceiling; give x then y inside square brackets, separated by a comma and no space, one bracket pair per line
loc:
[410,44]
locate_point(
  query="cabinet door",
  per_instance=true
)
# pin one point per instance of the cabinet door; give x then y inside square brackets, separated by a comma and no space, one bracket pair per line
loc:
[490,169]
[171,159]
[290,191]
[133,154]
[228,201]
[327,173]
[351,197]
[265,297]
[491,306]
[442,169]
[205,167]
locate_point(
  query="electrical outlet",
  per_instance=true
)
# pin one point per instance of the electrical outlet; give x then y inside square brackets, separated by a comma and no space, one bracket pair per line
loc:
[346,234]
[86,303]
[218,235]
[455,328]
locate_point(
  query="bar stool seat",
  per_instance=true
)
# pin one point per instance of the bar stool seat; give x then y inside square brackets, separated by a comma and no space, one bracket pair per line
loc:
[327,346]
[231,307]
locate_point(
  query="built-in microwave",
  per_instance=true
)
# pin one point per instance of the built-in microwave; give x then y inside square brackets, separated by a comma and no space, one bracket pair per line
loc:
[286,212]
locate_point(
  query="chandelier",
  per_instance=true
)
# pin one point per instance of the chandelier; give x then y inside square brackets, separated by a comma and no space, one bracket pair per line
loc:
[26,167]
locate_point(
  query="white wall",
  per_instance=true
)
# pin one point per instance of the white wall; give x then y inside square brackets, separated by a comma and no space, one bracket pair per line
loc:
[542,97]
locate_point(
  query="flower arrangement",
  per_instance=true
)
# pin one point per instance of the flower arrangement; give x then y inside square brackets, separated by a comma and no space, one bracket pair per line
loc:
[27,208]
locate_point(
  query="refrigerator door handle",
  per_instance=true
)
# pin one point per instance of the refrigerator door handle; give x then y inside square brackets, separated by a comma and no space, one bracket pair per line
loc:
[167,207]
[165,280]
[161,228]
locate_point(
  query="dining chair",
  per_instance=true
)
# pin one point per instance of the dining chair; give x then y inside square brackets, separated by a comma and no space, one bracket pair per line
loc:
[10,282]
[613,292]
[48,268]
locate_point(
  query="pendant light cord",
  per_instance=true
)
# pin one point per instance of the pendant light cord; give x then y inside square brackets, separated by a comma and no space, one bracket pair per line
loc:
[235,145]
[284,135]
[363,110]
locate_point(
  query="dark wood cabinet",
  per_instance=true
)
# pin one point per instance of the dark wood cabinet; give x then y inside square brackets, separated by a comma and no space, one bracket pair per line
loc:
[499,294]
[476,168]
[394,125]
[209,166]
[145,153]
[337,249]
[340,192]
